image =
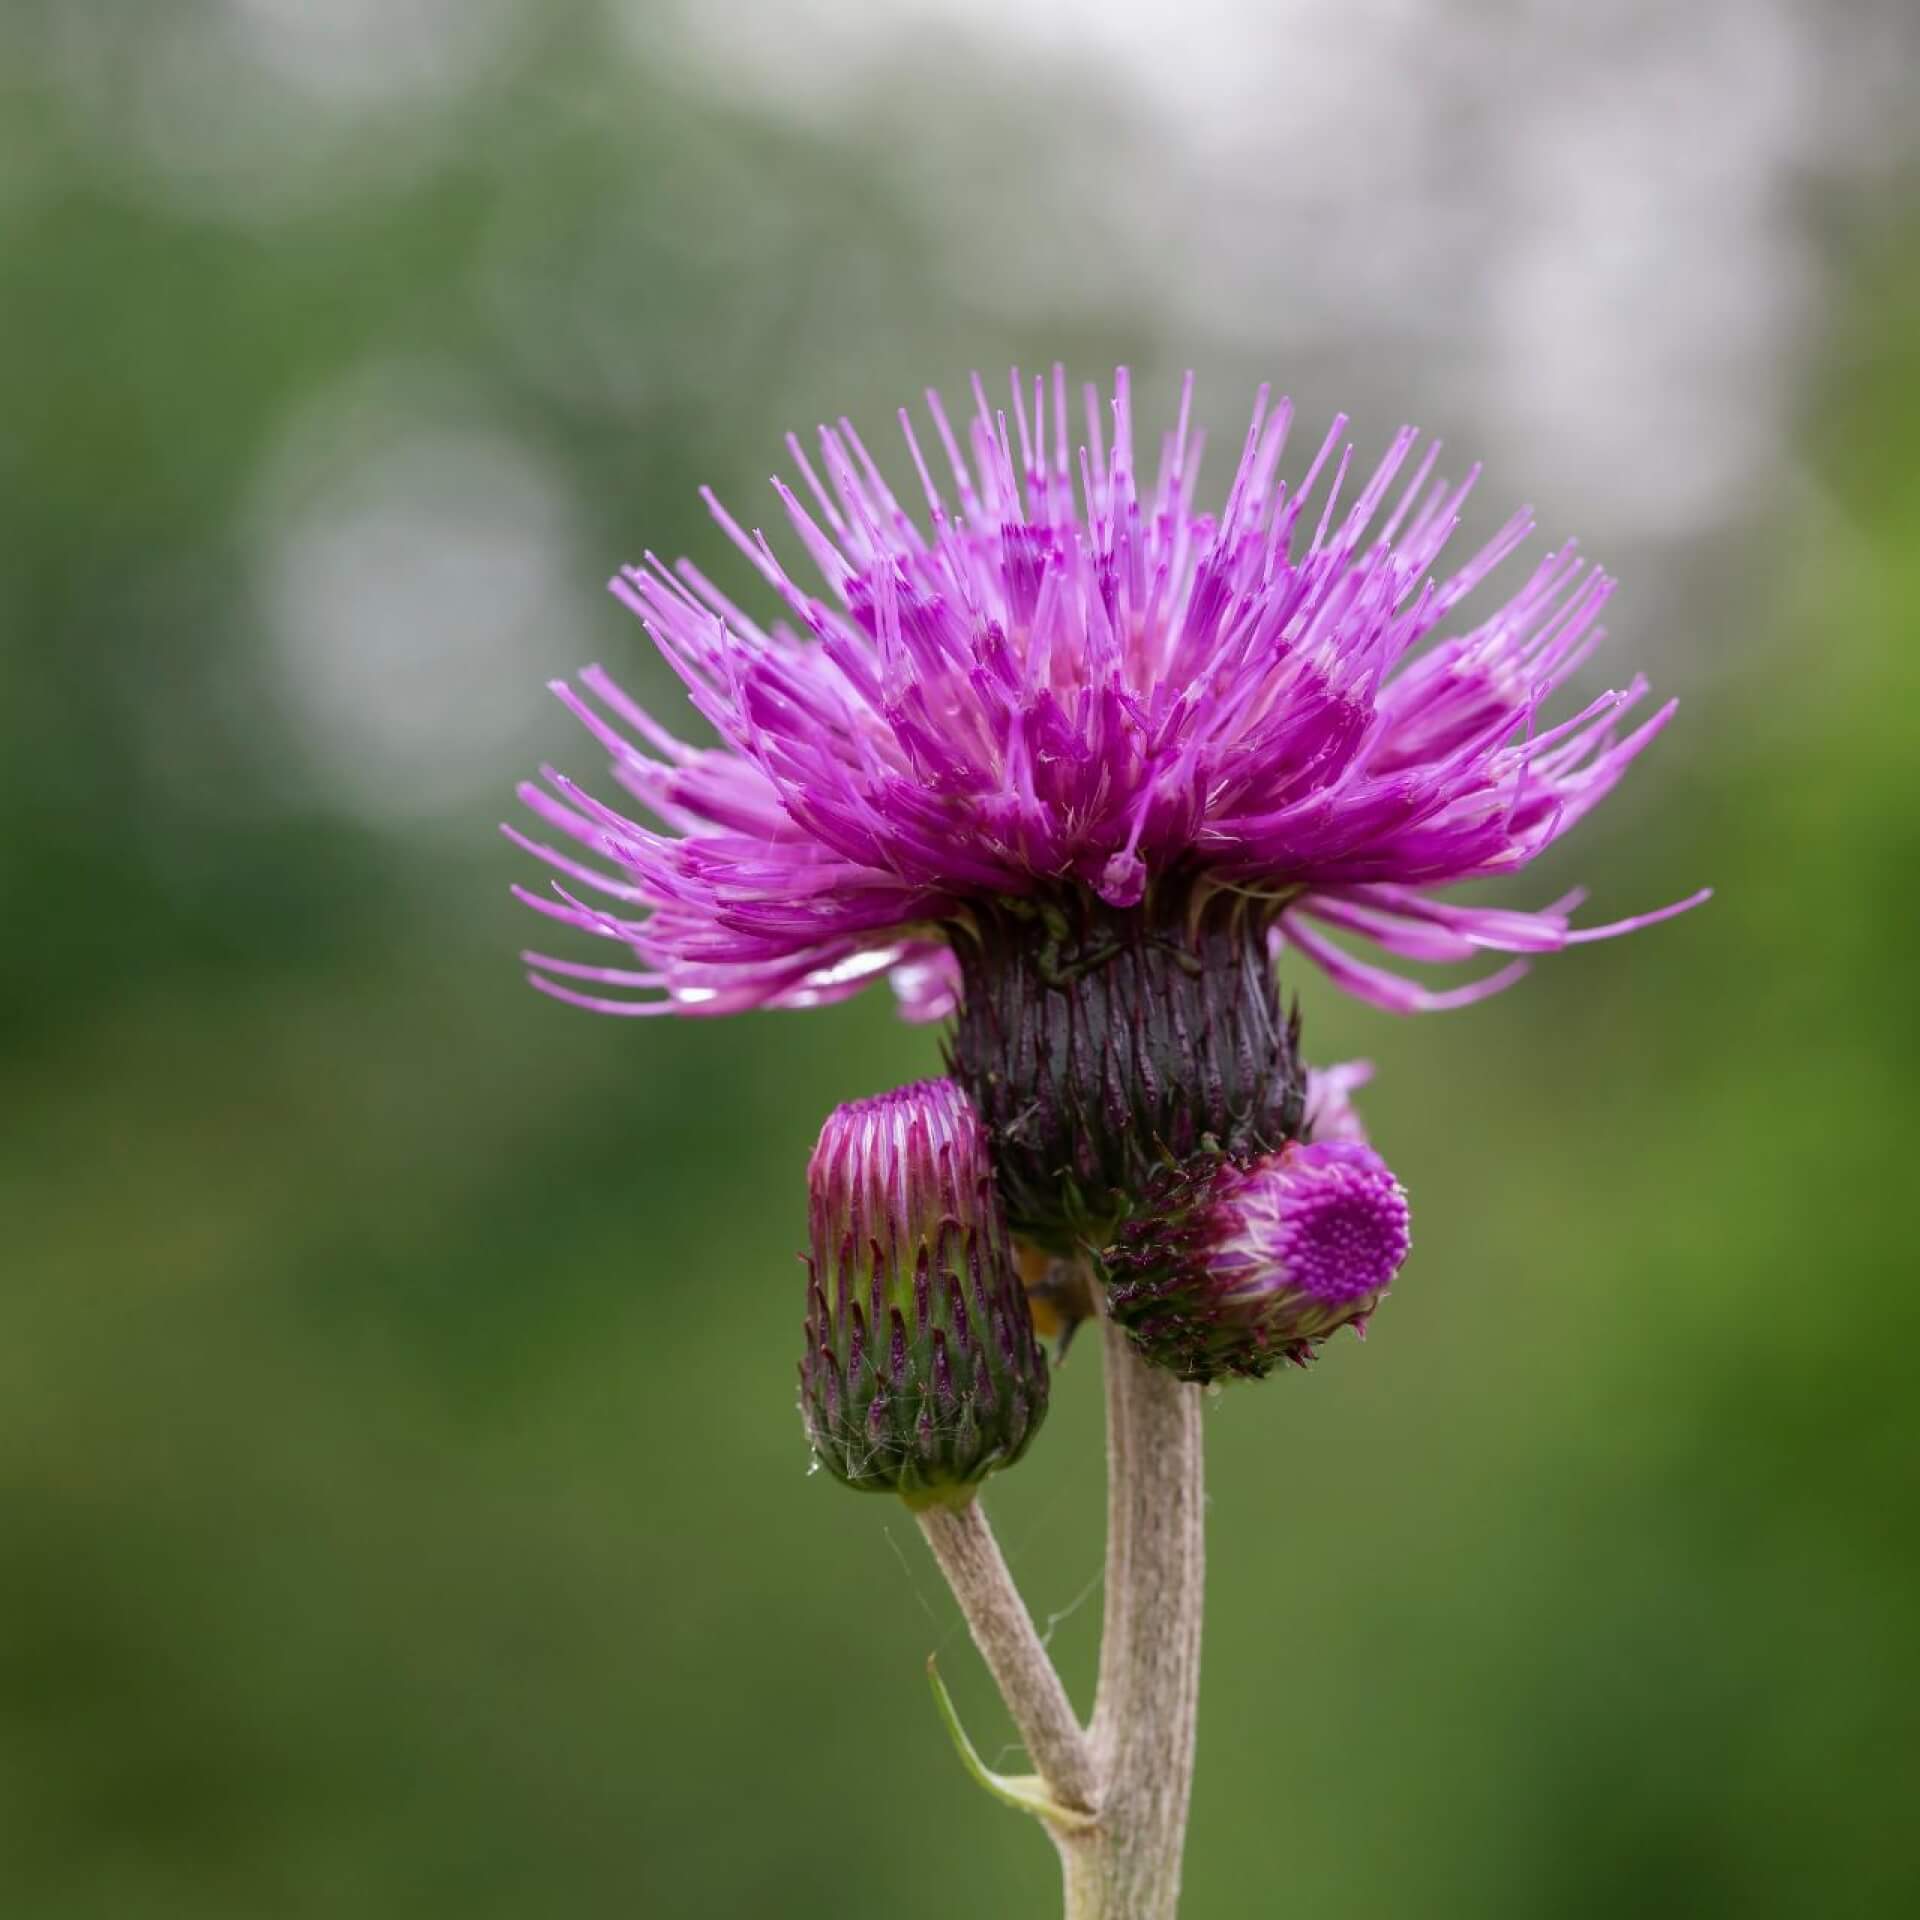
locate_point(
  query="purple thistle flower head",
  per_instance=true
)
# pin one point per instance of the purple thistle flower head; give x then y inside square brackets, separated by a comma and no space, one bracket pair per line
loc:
[1073,759]
[1238,1267]
[1051,679]
[921,1372]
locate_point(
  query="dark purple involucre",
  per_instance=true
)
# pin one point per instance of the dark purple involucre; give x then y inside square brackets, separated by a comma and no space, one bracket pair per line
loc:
[1047,686]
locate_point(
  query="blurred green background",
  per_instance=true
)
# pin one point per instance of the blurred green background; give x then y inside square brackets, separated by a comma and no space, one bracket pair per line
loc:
[402,1508]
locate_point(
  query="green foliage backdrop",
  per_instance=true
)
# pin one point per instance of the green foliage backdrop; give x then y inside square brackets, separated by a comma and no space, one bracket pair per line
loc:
[402,1506]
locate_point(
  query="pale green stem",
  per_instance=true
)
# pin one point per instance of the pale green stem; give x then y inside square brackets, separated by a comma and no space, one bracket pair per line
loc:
[1127,1866]
[1002,1629]
[1114,1799]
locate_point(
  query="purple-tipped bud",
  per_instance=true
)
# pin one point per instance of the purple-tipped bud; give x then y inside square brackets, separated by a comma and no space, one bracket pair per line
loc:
[1235,1268]
[904,1214]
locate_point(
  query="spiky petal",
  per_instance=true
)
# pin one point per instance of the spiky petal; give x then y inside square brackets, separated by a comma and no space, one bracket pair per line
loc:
[1330,1111]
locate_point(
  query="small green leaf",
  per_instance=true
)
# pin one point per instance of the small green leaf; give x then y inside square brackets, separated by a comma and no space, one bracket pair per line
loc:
[1027,1791]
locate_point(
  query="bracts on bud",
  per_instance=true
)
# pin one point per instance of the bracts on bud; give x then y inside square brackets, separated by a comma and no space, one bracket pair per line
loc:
[1234,1268]
[1104,1044]
[922,1371]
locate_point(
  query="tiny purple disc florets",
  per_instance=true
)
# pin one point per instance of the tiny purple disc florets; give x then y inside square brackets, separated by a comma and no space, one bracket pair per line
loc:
[1234,1267]
[1327,1221]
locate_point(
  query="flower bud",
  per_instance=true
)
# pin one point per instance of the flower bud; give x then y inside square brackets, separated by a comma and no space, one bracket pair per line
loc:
[922,1371]
[1234,1268]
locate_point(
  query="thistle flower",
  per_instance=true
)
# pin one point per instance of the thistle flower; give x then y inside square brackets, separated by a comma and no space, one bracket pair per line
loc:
[922,1372]
[1230,1269]
[1073,761]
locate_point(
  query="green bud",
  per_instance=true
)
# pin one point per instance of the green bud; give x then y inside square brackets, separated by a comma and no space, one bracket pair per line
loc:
[922,1372]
